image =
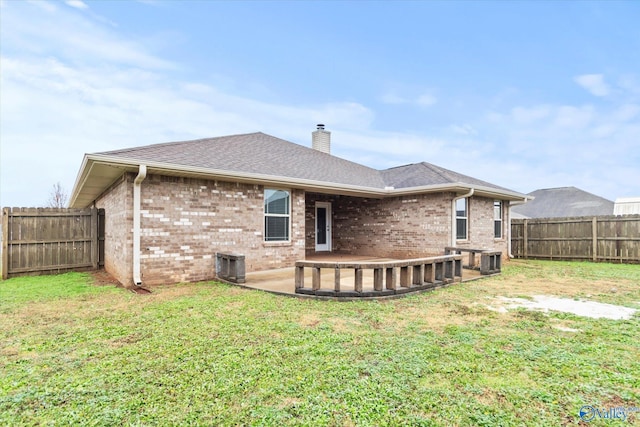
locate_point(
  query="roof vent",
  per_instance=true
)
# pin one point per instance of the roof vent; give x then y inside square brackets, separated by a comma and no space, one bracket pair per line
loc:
[321,139]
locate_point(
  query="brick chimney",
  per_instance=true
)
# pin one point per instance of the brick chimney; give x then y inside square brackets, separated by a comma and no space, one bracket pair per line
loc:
[321,139]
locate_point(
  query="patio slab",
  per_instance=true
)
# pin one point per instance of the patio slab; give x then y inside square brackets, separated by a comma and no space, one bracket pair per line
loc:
[282,281]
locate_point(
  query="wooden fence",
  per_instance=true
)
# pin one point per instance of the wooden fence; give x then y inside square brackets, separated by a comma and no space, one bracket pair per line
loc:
[601,238]
[49,240]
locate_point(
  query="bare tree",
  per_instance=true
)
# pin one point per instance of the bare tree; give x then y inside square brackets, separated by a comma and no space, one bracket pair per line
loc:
[58,197]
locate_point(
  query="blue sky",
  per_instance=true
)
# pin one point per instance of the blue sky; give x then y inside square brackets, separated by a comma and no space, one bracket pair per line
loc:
[525,95]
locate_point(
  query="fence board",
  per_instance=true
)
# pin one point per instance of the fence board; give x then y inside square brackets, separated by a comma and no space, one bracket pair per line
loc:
[601,238]
[50,240]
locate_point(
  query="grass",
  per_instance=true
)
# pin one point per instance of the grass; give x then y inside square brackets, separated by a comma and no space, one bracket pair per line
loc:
[73,353]
[17,292]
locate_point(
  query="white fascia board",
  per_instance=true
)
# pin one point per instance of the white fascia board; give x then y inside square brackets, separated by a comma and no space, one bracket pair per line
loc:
[461,187]
[81,178]
[233,176]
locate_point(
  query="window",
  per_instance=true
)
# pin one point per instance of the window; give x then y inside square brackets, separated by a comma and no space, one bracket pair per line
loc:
[276,215]
[497,219]
[461,219]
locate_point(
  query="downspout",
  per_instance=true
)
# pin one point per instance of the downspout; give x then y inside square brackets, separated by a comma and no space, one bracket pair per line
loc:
[142,174]
[453,214]
[513,203]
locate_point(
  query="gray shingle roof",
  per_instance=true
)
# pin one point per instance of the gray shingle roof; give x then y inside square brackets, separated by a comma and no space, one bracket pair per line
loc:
[418,174]
[564,202]
[258,153]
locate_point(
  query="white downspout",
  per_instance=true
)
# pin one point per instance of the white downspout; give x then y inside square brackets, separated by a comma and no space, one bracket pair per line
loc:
[142,174]
[513,203]
[453,214]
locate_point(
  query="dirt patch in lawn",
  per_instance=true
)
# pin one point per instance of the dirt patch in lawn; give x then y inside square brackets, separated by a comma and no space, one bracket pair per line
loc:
[545,303]
[536,279]
[102,278]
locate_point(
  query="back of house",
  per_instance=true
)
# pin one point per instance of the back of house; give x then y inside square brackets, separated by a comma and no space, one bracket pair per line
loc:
[171,207]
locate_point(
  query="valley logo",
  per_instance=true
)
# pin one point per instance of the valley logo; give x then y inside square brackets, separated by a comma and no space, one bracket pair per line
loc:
[588,412]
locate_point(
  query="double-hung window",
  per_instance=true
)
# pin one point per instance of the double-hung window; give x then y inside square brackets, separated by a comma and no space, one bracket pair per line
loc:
[462,214]
[497,219]
[277,214]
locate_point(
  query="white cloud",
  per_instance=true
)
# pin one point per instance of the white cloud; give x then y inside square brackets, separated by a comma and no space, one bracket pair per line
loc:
[78,4]
[569,116]
[465,129]
[43,30]
[594,83]
[79,86]
[592,147]
[626,112]
[54,112]
[45,5]
[630,83]
[426,100]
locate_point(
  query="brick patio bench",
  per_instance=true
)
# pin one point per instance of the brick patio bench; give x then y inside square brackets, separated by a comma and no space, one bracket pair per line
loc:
[490,261]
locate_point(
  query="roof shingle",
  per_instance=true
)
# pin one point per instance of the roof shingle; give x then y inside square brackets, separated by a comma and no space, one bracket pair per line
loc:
[256,153]
[259,153]
[564,202]
[419,174]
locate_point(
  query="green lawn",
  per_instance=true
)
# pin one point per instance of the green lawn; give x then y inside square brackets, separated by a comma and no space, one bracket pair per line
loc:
[74,353]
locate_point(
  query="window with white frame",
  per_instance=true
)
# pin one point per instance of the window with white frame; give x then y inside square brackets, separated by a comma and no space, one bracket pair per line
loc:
[497,219]
[461,219]
[277,213]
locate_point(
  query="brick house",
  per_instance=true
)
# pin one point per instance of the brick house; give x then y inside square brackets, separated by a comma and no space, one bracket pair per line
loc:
[171,207]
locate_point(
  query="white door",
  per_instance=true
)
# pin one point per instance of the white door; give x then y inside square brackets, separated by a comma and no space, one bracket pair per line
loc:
[323,226]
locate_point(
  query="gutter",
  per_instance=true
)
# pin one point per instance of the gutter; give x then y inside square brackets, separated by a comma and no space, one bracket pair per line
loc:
[142,174]
[453,214]
[307,184]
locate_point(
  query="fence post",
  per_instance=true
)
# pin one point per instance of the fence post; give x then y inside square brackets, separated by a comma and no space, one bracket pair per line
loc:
[594,233]
[101,217]
[5,243]
[94,237]
[525,235]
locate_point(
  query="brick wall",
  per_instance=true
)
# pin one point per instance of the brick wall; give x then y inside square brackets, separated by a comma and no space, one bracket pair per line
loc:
[401,227]
[396,227]
[118,238]
[480,223]
[186,221]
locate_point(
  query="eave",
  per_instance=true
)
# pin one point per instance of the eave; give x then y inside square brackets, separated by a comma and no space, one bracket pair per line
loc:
[99,172]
